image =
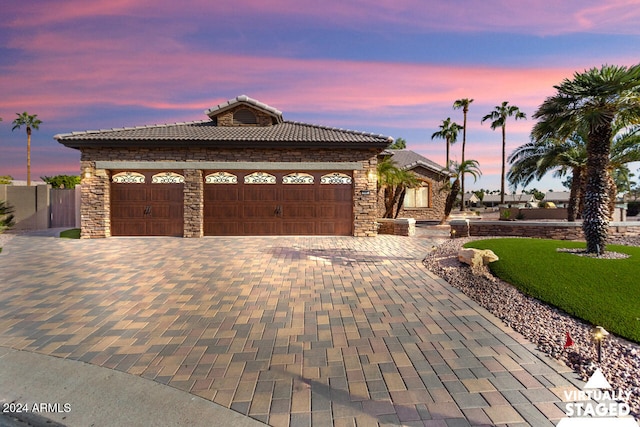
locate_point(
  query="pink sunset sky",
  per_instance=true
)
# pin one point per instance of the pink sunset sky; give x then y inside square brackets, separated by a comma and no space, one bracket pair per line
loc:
[390,67]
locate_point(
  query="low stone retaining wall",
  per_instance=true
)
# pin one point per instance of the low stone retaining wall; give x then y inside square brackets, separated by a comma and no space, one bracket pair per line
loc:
[547,230]
[397,227]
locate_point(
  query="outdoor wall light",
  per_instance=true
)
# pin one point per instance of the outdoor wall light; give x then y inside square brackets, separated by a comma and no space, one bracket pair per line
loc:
[87,173]
[372,175]
[599,334]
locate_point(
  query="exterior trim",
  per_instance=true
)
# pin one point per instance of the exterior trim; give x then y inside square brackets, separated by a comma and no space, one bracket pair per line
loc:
[120,165]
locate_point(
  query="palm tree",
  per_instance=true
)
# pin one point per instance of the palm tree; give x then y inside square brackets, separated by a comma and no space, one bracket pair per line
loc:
[459,170]
[464,104]
[394,181]
[597,99]
[449,132]
[535,159]
[30,121]
[498,119]
[398,144]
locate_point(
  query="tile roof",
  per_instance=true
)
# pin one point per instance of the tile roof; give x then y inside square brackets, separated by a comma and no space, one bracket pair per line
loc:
[407,159]
[208,133]
[562,196]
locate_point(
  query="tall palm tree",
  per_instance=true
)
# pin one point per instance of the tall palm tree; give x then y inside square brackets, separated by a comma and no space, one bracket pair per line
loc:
[464,104]
[459,170]
[30,121]
[498,119]
[449,132]
[394,182]
[596,98]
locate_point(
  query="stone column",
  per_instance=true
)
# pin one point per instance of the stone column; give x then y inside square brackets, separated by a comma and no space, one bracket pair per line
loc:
[365,203]
[95,205]
[193,203]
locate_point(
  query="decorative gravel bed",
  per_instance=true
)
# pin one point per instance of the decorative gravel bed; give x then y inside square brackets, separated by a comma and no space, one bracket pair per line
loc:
[542,324]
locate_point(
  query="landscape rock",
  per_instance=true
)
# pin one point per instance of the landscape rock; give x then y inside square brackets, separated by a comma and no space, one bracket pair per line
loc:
[477,258]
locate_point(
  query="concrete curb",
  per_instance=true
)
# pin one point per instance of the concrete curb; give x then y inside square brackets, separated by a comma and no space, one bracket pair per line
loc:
[79,394]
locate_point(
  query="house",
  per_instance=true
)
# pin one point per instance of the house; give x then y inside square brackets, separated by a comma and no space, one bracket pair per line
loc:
[472,199]
[492,200]
[427,201]
[243,170]
[559,198]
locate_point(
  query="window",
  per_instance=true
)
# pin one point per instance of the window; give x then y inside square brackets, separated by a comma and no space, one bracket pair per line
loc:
[260,178]
[167,178]
[244,117]
[297,178]
[417,197]
[335,178]
[128,178]
[221,178]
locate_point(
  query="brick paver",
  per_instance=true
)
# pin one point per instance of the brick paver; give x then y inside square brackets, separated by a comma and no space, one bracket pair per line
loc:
[291,331]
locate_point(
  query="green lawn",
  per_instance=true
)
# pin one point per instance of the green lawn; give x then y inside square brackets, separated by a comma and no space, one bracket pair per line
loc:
[73,233]
[602,292]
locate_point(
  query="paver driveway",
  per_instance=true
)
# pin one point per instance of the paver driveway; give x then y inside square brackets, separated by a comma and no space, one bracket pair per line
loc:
[287,330]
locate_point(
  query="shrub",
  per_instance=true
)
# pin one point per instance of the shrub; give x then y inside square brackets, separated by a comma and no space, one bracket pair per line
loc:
[6,216]
[633,208]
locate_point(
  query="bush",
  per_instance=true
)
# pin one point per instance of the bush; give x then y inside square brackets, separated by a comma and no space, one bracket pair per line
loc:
[6,216]
[633,208]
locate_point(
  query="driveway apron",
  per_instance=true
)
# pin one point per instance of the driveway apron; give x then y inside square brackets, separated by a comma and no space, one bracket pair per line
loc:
[290,331]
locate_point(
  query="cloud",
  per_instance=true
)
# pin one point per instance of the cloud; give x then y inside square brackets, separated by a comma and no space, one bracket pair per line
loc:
[539,17]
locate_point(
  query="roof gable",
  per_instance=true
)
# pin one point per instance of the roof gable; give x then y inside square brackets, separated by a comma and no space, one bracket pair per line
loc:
[407,159]
[224,113]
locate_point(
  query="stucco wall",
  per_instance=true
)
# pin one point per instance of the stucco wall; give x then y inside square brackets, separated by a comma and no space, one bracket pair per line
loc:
[31,205]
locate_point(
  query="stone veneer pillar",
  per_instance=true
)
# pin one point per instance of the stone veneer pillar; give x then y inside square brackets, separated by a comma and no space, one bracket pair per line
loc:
[95,207]
[193,203]
[365,201]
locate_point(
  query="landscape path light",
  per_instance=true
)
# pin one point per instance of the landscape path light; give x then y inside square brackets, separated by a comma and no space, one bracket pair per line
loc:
[599,334]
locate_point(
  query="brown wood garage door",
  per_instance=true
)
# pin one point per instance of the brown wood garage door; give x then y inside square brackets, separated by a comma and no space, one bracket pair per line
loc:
[148,203]
[238,203]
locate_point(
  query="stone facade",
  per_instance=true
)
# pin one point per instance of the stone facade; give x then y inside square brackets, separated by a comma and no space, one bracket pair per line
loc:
[397,227]
[193,203]
[95,201]
[95,210]
[437,198]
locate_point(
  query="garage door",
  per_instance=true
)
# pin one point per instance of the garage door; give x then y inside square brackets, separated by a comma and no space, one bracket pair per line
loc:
[238,203]
[148,203]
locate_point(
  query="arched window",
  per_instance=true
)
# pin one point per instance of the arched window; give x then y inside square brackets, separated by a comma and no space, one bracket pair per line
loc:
[221,178]
[128,178]
[260,178]
[335,178]
[244,117]
[167,178]
[297,178]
